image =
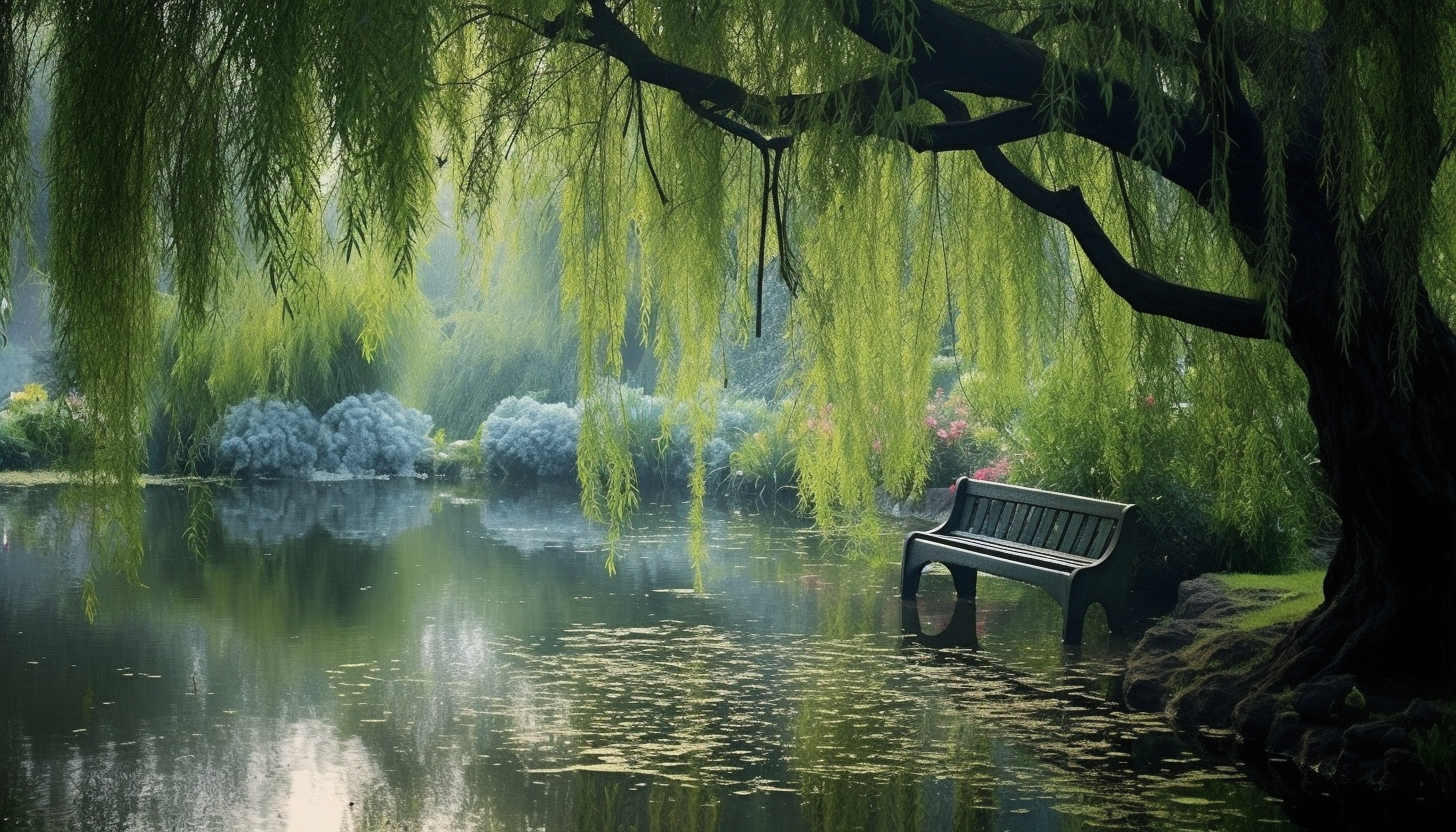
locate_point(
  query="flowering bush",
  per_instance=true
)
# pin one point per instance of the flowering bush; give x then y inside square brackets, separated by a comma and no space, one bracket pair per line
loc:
[372,433]
[958,446]
[997,471]
[525,436]
[269,439]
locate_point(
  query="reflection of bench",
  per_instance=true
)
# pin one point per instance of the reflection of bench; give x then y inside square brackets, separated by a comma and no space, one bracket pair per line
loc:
[960,631]
[1078,549]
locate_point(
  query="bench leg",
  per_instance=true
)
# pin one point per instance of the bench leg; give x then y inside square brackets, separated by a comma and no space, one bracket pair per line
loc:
[1072,623]
[1075,613]
[1118,620]
[910,578]
[965,581]
[910,569]
[960,631]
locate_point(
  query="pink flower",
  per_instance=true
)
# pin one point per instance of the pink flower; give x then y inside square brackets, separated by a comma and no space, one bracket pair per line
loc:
[995,472]
[930,421]
[1149,401]
[942,434]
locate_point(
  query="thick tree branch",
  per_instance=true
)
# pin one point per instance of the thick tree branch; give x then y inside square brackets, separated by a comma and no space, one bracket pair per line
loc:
[712,97]
[737,128]
[965,55]
[1143,291]
[956,53]
[1004,127]
[767,122]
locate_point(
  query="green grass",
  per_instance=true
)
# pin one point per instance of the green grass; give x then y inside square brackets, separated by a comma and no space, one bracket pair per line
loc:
[1299,593]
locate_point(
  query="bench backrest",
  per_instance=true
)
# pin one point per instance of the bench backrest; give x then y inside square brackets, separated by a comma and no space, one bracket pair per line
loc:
[1077,526]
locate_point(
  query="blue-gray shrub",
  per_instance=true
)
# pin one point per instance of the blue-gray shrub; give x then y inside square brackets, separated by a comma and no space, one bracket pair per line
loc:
[269,439]
[666,458]
[372,433]
[524,436]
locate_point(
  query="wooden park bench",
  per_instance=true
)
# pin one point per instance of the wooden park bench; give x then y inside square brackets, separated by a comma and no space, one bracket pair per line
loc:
[1078,549]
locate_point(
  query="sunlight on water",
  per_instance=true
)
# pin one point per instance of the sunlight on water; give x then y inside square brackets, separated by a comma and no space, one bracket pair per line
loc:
[387,655]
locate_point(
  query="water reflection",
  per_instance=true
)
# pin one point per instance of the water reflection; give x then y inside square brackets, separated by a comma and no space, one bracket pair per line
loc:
[958,629]
[372,655]
[367,511]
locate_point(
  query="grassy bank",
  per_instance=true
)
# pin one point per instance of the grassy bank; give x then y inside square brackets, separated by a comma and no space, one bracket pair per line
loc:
[1285,597]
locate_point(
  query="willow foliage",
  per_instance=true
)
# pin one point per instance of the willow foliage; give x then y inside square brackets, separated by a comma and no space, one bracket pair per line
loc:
[17,44]
[196,139]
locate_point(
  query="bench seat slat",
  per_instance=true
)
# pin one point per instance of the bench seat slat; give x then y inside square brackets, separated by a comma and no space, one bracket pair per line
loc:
[1018,551]
[1048,522]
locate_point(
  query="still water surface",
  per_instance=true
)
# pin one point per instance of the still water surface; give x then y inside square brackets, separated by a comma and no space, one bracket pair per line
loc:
[384,655]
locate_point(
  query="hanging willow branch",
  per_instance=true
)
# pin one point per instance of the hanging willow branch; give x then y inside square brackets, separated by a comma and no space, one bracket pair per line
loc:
[642,139]
[787,269]
[762,244]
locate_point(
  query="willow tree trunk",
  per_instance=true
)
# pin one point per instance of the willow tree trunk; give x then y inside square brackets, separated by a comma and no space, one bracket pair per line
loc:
[1389,451]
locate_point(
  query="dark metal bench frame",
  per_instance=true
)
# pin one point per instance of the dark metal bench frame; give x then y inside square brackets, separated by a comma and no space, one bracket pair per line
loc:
[1078,549]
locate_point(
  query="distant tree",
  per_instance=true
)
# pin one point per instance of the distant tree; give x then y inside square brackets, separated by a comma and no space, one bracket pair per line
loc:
[1254,171]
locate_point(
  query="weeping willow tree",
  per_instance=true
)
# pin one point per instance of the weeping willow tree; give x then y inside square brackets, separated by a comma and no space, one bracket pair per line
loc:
[1190,192]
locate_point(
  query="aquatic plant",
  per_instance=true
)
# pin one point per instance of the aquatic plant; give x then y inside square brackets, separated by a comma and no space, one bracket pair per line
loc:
[269,439]
[763,461]
[657,432]
[373,433]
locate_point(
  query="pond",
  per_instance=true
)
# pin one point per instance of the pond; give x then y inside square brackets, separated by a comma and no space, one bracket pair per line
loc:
[371,655]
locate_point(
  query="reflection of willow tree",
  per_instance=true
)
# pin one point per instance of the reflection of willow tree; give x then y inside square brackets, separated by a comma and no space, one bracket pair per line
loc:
[898,801]
[604,804]
[18,793]
[884,737]
[249,602]
[850,738]
[856,742]
[854,803]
